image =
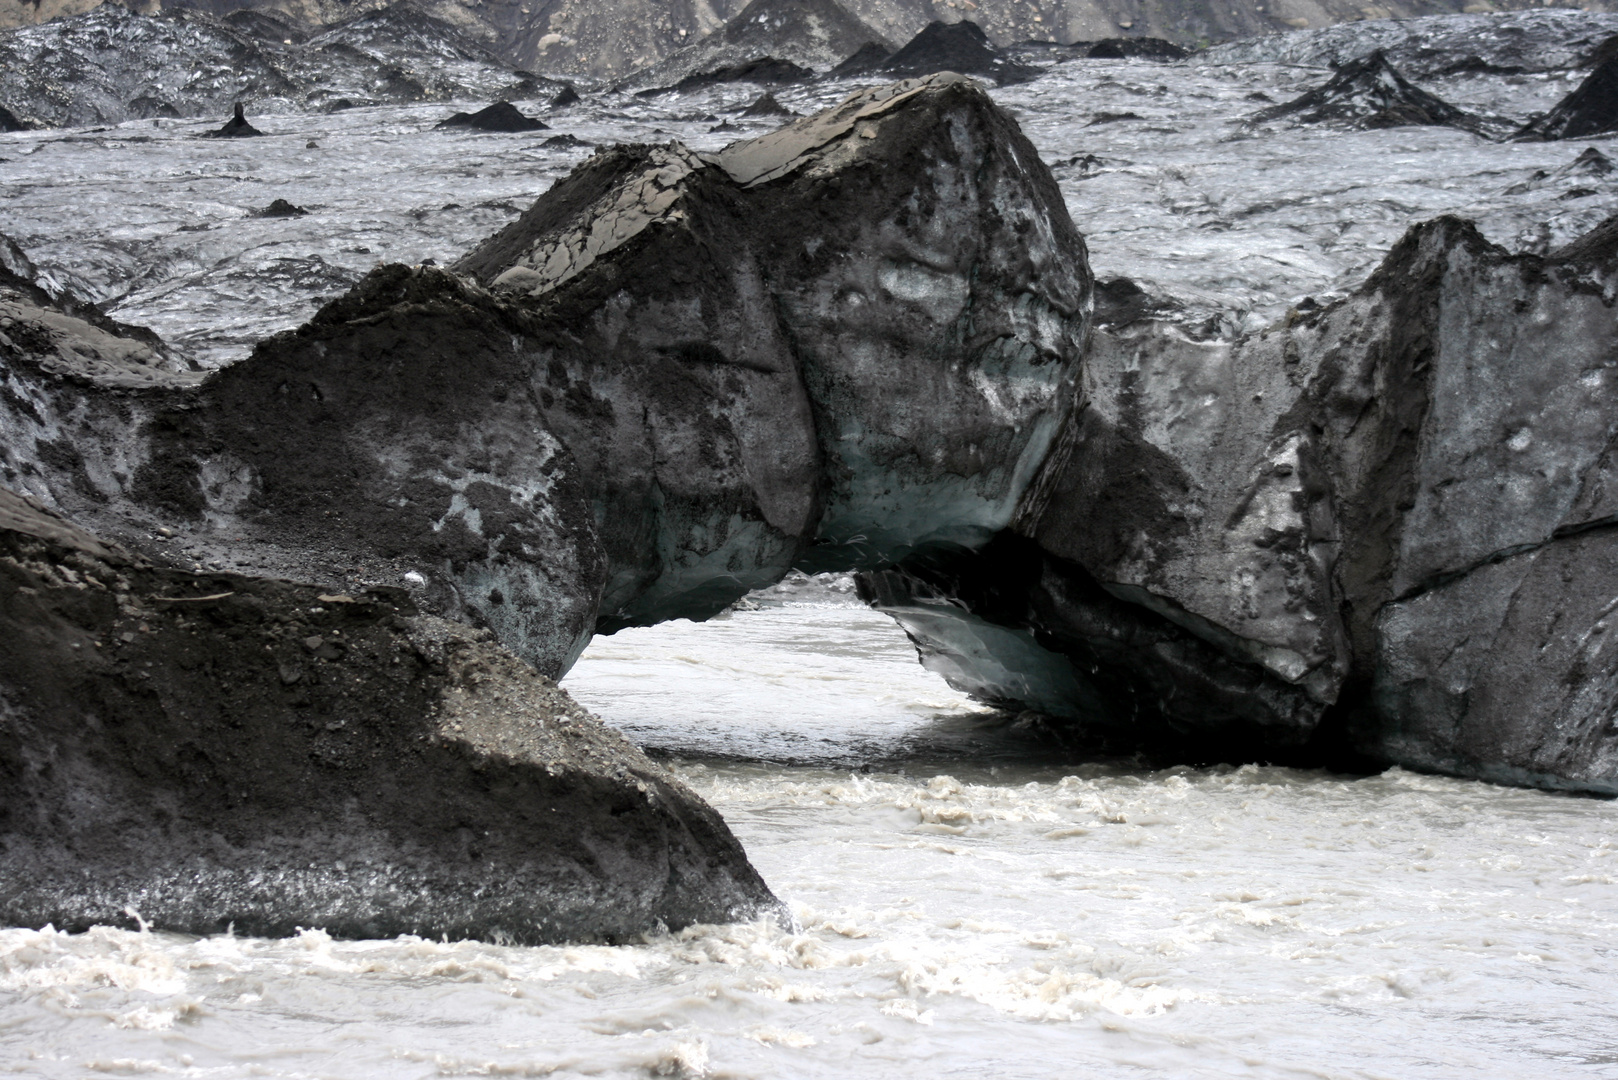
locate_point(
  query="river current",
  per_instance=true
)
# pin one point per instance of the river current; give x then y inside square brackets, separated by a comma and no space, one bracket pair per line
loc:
[970,903]
[971,900]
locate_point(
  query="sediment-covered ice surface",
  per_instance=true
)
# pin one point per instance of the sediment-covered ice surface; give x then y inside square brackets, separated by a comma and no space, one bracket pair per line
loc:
[970,900]
[1549,39]
[974,905]
[110,65]
[1230,223]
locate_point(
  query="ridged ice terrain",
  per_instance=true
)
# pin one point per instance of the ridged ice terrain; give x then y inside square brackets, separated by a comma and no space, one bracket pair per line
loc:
[971,893]
[110,66]
[1228,222]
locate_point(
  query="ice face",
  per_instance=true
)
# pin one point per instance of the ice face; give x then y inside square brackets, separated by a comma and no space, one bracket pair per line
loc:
[1234,224]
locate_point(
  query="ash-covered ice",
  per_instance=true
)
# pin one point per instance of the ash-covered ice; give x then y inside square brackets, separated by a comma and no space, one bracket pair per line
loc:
[1226,224]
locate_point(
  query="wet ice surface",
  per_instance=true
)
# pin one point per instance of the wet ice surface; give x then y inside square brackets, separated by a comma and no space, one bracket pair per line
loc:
[972,907]
[1244,222]
[1234,224]
[1531,40]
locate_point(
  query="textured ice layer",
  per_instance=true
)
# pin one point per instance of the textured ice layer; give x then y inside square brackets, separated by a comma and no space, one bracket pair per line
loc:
[109,66]
[1234,223]
[1239,222]
[1518,41]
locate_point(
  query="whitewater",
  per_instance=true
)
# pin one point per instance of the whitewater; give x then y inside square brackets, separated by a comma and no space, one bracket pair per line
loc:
[972,898]
[970,901]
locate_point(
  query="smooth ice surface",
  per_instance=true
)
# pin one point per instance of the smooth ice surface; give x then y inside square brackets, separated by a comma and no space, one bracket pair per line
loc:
[1232,222]
[974,906]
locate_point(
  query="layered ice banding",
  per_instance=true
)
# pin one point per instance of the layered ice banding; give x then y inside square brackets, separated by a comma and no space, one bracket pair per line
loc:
[867,340]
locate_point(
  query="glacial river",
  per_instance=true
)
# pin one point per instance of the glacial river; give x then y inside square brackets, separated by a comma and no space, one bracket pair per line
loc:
[970,904]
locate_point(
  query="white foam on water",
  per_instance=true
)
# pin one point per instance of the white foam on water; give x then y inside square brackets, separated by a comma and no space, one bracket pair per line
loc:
[973,906]
[970,903]
[806,674]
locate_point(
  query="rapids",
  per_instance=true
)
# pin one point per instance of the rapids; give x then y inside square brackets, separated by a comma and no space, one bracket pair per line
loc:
[969,904]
